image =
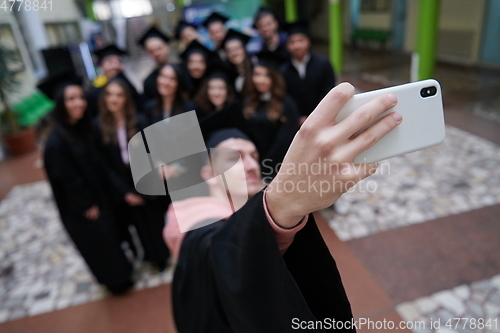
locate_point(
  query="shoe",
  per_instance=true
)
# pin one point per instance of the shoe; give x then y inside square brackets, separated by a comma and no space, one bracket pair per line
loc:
[161,266]
[121,289]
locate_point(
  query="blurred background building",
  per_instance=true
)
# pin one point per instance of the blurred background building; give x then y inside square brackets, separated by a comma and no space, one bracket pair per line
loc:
[60,35]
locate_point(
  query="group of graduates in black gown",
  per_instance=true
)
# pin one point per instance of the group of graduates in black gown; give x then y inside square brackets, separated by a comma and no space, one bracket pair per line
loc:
[266,95]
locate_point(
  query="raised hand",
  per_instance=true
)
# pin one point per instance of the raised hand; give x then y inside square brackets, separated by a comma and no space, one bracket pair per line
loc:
[319,165]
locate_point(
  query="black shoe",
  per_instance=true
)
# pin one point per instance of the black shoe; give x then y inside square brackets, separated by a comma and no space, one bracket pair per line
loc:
[121,289]
[161,266]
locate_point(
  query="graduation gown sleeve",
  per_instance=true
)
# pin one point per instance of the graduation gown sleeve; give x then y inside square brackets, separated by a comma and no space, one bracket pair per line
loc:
[231,277]
[92,95]
[61,168]
[149,86]
[286,132]
[112,164]
[118,175]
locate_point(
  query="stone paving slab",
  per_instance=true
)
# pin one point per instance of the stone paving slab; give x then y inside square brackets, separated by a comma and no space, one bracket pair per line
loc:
[461,174]
[40,269]
[466,308]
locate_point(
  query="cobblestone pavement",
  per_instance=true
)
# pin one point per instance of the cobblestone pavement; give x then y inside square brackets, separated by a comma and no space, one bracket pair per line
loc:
[466,308]
[40,269]
[461,174]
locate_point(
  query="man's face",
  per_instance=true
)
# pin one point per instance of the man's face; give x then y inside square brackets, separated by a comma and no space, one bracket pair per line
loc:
[157,49]
[226,158]
[196,65]
[111,66]
[267,26]
[298,45]
[189,34]
[217,32]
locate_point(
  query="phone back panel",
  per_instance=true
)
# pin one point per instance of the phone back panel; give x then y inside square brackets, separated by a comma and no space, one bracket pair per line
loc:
[422,126]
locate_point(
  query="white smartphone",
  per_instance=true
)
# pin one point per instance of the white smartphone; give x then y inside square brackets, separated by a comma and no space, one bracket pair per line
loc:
[420,103]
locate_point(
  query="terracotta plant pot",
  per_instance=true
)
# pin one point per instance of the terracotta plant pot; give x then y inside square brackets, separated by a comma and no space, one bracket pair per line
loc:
[22,142]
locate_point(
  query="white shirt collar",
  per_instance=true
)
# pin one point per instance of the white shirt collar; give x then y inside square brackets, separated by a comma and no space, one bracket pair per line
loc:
[301,65]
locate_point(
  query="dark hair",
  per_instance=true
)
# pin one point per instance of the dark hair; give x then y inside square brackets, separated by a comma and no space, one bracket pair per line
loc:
[266,12]
[107,124]
[203,101]
[248,66]
[61,117]
[180,93]
[274,109]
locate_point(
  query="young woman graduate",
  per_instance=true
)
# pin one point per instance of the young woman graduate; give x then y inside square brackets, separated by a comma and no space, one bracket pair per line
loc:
[171,94]
[272,118]
[309,76]
[80,187]
[215,95]
[157,46]
[238,62]
[111,64]
[117,124]
[196,60]
[231,275]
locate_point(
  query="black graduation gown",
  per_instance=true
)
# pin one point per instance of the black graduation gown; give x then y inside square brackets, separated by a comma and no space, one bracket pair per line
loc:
[308,92]
[189,83]
[273,139]
[154,117]
[194,86]
[93,94]
[148,219]
[281,54]
[216,58]
[229,116]
[149,86]
[78,182]
[231,277]
[233,74]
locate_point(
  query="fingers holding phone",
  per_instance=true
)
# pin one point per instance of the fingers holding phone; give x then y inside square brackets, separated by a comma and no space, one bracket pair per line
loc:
[330,145]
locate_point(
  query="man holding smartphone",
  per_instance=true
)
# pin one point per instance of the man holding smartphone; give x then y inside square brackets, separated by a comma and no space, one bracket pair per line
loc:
[231,275]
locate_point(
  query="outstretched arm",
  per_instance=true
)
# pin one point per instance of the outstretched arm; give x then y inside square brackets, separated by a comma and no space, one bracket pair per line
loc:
[297,191]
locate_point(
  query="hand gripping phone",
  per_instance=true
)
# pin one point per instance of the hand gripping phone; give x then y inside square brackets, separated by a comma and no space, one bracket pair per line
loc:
[420,104]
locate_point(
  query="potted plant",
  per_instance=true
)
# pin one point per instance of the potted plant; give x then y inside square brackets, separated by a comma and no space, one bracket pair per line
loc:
[18,139]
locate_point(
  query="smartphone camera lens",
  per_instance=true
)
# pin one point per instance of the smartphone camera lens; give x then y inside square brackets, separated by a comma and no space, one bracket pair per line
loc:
[428,91]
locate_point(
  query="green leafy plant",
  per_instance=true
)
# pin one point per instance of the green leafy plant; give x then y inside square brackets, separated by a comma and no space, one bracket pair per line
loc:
[8,84]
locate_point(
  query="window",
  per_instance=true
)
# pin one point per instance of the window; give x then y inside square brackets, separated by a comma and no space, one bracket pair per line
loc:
[63,33]
[7,40]
[375,5]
